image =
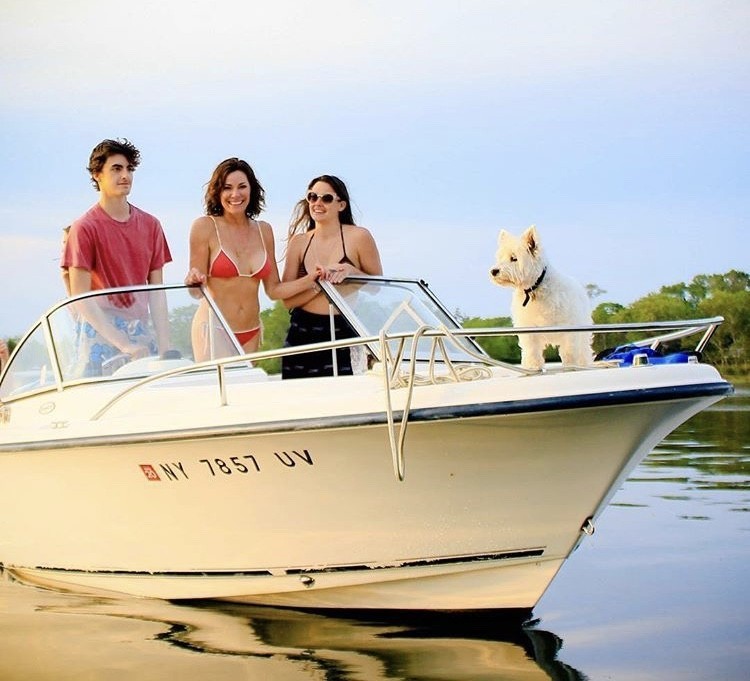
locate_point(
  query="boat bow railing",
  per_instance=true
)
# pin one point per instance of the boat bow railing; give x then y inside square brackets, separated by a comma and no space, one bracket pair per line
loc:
[392,361]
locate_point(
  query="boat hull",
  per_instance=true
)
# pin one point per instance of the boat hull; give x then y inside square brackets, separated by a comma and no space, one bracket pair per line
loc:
[314,517]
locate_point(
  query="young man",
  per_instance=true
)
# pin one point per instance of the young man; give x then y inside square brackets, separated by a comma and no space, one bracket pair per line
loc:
[116,244]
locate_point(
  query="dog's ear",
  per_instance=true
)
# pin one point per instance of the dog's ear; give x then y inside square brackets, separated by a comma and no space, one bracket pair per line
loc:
[502,236]
[530,238]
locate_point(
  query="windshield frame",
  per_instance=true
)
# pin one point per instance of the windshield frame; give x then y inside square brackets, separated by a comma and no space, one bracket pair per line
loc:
[46,341]
[431,313]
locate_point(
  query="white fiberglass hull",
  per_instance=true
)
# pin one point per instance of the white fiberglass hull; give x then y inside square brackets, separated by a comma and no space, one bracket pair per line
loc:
[308,513]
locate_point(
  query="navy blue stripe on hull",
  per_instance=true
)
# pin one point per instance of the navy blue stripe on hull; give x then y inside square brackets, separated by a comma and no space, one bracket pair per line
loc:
[447,413]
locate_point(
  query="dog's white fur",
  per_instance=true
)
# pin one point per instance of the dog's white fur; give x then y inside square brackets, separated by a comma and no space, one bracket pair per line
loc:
[557,300]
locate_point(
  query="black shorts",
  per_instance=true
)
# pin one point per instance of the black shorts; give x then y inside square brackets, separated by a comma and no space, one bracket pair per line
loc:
[308,327]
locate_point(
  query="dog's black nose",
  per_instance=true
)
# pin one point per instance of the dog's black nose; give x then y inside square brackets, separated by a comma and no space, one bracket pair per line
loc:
[494,271]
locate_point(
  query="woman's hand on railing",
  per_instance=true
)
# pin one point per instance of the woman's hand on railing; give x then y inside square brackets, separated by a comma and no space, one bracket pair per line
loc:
[337,273]
[195,276]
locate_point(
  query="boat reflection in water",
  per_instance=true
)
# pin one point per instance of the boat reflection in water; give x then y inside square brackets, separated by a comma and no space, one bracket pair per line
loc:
[449,647]
[242,641]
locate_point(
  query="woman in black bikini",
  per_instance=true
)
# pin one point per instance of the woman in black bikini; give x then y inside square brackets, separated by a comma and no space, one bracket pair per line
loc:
[323,238]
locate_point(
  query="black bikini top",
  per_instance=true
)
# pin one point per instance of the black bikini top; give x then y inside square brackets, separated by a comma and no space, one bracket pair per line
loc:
[302,272]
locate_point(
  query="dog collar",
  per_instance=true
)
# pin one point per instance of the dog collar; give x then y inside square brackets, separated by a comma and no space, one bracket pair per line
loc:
[537,284]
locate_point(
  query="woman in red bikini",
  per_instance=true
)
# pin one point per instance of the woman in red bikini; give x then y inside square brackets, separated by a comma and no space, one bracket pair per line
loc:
[323,238]
[231,253]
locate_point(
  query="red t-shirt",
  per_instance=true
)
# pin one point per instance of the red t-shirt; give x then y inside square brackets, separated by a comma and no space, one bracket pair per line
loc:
[116,253]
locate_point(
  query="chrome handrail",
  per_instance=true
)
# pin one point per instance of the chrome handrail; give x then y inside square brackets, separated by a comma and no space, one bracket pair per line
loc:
[220,363]
[688,327]
[682,328]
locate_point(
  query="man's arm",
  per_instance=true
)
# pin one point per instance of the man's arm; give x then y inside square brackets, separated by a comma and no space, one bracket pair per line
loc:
[159,312]
[80,282]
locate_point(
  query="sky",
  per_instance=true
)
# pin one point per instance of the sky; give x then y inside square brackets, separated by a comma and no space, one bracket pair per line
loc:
[620,128]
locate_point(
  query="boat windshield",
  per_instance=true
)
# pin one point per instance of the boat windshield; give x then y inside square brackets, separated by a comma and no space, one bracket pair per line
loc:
[399,306]
[120,333]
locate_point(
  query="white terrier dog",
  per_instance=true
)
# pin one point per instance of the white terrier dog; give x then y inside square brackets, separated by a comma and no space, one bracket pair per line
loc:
[542,297]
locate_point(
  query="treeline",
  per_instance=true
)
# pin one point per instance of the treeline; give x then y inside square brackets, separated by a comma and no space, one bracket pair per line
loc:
[707,295]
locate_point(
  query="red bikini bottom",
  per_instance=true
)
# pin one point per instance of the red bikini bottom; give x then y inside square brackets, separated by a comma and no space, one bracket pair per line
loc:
[246,336]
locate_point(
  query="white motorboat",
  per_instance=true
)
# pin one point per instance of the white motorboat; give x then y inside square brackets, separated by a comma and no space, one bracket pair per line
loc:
[435,478]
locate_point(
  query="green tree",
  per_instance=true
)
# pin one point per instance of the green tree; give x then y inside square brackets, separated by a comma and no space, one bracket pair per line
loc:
[730,344]
[726,295]
[181,320]
[606,313]
[707,295]
[656,307]
[504,348]
[593,291]
[275,321]
[662,306]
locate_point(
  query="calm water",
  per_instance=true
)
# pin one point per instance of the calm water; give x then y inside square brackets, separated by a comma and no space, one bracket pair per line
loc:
[661,591]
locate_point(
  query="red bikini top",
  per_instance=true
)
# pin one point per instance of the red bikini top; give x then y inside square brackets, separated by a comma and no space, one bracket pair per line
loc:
[224,267]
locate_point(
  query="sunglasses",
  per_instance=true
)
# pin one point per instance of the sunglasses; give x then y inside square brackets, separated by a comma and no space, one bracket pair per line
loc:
[312,197]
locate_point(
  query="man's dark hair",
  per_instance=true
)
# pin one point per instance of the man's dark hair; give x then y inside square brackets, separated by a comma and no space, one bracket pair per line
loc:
[107,148]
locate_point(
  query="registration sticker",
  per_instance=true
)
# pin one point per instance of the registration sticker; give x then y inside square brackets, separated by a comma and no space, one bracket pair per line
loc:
[150,472]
